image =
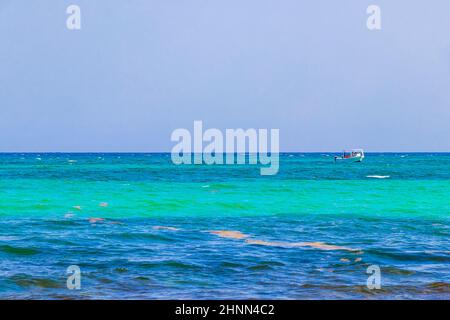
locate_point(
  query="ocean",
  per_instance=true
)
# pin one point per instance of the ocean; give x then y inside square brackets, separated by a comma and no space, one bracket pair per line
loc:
[140,227]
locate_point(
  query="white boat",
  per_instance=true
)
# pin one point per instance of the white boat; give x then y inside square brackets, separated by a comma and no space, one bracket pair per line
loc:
[355,155]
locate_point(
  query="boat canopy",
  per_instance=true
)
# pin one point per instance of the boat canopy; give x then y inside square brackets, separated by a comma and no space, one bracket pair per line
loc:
[353,153]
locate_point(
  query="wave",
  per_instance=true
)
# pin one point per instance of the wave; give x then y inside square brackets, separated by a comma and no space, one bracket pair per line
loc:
[378,177]
[170,264]
[18,250]
[27,281]
[165,228]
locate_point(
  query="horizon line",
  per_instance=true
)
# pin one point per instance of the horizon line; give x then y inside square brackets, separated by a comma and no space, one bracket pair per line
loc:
[169,152]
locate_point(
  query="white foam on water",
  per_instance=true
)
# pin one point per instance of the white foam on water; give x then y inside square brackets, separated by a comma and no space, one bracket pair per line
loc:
[378,177]
[9,238]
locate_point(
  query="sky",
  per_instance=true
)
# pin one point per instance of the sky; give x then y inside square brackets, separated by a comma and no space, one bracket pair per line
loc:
[139,69]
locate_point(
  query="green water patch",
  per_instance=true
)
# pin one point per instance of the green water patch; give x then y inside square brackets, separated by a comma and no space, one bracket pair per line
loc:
[376,197]
[27,281]
[20,251]
[408,256]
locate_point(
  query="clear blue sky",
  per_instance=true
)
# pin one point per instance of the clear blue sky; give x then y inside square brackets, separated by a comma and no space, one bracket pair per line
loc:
[139,69]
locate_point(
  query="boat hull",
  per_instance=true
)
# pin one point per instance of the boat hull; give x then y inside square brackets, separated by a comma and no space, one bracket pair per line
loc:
[351,159]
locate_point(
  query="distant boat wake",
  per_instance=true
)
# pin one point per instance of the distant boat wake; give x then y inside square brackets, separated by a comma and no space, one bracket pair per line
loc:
[378,177]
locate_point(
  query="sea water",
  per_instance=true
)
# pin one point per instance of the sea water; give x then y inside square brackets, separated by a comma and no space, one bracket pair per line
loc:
[140,227]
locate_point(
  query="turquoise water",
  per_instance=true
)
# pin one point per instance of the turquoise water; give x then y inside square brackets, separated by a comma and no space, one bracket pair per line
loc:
[140,227]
